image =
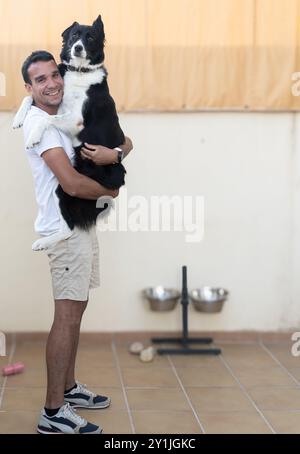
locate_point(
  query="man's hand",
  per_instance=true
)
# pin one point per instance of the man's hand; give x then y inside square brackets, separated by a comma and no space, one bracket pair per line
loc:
[98,154]
[102,155]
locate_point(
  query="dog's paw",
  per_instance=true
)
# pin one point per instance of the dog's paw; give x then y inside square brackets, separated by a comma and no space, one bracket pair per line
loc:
[20,116]
[40,245]
[36,133]
[32,143]
[17,123]
[34,137]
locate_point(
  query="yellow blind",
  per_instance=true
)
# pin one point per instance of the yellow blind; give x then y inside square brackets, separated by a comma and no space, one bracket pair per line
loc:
[168,54]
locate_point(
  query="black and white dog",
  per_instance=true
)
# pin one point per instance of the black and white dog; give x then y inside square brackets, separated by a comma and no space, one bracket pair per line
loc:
[87,114]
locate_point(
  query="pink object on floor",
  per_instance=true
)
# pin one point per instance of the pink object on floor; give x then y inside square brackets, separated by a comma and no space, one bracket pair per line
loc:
[12,369]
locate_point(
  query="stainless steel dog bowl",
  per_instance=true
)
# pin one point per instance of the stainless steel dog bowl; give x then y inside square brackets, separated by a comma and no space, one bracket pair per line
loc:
[208,299]
[161,298]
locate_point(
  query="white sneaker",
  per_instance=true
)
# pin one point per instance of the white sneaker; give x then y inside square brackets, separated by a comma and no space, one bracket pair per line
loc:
[81,397]
[66,421]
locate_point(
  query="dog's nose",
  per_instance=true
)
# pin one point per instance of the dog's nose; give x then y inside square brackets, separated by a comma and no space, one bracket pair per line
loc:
[78,49]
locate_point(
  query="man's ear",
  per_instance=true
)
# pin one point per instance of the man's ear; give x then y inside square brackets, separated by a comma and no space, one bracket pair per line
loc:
[66,33]
[28,88]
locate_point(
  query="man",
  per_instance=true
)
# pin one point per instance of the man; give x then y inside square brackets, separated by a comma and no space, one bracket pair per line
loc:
[73,262]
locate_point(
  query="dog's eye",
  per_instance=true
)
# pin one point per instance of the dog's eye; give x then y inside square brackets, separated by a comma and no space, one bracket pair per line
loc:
[91,39]
[74,35]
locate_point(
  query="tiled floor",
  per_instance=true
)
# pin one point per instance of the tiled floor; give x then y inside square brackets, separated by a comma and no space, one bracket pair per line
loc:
[253,387]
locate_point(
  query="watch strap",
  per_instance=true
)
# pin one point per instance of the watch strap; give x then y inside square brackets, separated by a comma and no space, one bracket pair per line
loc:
[120,154]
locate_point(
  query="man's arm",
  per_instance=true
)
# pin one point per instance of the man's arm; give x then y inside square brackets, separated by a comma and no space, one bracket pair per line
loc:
[73,183]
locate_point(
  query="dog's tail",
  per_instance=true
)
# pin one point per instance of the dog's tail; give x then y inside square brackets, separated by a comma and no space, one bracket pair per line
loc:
[22,112]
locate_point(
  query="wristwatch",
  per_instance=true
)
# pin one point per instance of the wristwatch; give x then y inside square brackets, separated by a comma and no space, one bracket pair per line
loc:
[120,154]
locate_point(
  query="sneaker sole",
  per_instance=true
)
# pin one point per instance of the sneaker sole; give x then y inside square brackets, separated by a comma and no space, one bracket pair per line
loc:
[46,431]
[95,407]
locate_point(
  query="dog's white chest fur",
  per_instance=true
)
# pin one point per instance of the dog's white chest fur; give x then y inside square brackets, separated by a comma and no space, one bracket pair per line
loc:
[76,85]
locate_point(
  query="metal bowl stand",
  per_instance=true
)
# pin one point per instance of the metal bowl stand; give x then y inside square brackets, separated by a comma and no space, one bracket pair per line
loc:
[185,340]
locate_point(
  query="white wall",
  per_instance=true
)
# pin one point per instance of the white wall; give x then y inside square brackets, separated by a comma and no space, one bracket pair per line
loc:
[247,167]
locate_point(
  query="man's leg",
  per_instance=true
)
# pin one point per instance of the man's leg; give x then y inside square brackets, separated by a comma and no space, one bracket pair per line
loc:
[70,379]
[61,348]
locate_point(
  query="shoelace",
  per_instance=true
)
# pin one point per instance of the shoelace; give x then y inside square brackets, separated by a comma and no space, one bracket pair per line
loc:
[69,412]
[82,387]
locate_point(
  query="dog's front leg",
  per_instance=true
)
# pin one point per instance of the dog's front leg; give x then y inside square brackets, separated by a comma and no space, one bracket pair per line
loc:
[39,127]
[46,242]
[22,112]
[68,124]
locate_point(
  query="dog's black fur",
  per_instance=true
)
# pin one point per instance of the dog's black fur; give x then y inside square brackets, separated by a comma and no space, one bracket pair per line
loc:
[101,127]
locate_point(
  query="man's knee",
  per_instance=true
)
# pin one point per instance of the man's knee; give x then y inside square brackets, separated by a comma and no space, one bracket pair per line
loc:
[69,311]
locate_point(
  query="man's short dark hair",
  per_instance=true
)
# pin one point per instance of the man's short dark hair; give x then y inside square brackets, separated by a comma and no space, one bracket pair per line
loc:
[38,55]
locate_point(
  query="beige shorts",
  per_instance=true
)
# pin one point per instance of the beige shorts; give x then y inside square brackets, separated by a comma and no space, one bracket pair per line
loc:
[74,265]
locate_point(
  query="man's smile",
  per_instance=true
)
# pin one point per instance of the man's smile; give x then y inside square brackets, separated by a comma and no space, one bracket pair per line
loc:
[54,93]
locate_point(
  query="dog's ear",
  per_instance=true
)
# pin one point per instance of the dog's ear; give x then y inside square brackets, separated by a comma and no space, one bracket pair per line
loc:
[66,33]
[98,24]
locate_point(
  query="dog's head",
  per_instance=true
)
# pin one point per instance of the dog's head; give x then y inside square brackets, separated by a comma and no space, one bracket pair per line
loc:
[83,45]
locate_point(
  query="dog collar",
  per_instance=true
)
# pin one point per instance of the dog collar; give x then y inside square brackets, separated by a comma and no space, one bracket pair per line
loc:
[79,70]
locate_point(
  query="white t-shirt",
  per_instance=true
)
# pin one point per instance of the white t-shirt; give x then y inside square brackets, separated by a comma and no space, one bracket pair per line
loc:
[48,219]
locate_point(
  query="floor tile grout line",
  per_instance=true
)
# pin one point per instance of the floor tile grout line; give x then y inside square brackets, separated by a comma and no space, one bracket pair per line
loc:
[115,354]
[194,386]
[186,395]
[11,354]
[247,395]
[206,411]
[280,364]
[151,387]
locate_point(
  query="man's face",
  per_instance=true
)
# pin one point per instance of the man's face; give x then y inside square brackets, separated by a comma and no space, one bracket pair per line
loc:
[46,86]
